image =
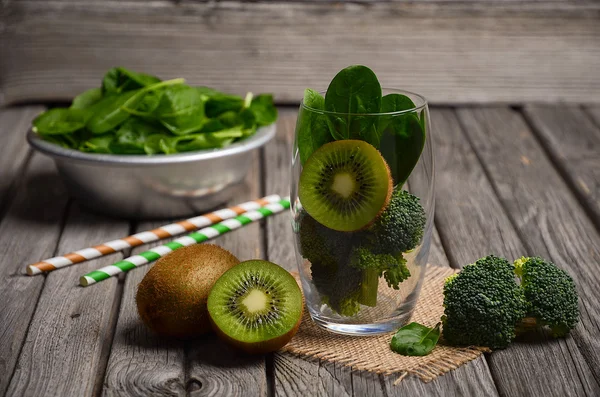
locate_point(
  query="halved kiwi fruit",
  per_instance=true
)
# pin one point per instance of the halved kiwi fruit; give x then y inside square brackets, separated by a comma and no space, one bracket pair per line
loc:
[256,306]
[171,299]
[345,185]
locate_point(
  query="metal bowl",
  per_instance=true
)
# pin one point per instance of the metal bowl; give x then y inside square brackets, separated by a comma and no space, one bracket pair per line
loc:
[158,186]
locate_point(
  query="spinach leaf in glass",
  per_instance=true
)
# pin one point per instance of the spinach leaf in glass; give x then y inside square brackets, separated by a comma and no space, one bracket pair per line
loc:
[313,131]
[354,90]
[402,143]
[415,339]
[60,121]
[119,79]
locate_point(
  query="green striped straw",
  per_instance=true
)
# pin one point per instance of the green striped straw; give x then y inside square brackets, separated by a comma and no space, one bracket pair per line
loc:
[200,236]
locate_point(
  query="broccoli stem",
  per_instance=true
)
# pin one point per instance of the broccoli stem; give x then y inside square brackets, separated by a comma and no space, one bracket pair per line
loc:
[368,287]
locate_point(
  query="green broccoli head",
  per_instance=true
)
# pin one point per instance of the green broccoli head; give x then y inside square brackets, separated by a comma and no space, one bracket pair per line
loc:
[483,304]
[550,293]
[400,226]
[339,287]
[392,267]
[322,245]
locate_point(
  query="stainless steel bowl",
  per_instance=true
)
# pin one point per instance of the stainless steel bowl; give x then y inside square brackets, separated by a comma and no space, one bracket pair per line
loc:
[159,186]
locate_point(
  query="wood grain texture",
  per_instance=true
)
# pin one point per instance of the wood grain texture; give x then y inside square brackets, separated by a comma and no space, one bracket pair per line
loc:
[546,215]
[466,52]
[142,363]
[34,216]
[14,124]
[473,223]
[572,140]
[295,376]
[594,113]
[214,368]
[71,331]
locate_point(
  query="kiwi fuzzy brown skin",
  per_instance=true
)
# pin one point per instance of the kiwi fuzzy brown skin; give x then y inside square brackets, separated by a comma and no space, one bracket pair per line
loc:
[171,299]
[263,347]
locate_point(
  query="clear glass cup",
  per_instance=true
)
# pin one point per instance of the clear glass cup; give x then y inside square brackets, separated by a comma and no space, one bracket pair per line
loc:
[330,292]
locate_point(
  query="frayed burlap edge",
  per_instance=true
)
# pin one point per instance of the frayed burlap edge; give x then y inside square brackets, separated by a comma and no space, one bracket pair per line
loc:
[373,354]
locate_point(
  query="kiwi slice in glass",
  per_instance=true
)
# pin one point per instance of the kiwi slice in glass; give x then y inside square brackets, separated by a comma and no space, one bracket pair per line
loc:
[256,306]
[345,185]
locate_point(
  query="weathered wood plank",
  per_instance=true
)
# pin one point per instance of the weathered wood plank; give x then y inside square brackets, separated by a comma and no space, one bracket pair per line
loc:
[69,336]
[29,233]
[573,142]
[546,215]
[295,376]
[14,123]
[472,223]
[594,112]
[465,52]
[142,363]
[214,368]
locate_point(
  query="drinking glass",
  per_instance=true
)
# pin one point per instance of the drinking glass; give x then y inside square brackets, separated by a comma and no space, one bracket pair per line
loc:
[331,296]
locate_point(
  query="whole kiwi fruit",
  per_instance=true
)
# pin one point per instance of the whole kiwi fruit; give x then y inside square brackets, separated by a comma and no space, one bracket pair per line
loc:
[171,299]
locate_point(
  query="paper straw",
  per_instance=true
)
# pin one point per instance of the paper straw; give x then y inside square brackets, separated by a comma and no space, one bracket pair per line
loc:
[197,237]
[171,230]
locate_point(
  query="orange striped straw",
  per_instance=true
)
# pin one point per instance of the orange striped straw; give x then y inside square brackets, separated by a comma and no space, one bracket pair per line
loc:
[173,229]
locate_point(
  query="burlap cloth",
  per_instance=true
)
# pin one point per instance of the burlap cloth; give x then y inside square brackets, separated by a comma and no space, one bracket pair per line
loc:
[373,353]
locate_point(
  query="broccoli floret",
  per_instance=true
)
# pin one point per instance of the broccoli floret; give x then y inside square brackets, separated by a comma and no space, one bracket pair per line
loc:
[393,268]
[483,304]
[400,226]
[340,287]
[551,295]
[322,245]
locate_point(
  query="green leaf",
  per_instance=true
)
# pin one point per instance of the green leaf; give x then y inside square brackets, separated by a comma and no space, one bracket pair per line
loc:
[221,103]
[180,100]
[353,90]
[87,98]
[131,137]
[415,339]
[119,79]
[60,121]
[313,131]
[109,114]
[393,103]
[264,109]
[98,144]
[402,144]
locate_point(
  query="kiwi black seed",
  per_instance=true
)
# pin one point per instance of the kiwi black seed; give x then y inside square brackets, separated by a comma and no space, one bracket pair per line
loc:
[345,185]
[171,299]
[256,306]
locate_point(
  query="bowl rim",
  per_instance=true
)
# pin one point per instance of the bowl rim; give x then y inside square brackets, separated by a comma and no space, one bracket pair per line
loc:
[262,136]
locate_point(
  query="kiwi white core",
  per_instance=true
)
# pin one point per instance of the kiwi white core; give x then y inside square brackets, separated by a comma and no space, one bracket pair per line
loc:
[344,184]
[256,301]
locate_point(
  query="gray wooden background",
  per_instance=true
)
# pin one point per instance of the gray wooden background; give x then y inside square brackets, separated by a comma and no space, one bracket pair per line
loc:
[451,51]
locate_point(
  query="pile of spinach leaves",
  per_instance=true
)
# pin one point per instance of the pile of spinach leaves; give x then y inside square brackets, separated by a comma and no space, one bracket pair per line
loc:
[354,108]
[135,113]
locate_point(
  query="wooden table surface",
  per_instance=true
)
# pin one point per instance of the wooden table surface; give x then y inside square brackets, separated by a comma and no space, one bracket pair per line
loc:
[510,180]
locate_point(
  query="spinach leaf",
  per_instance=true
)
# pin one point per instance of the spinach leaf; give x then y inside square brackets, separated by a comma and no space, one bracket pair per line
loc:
[109,113]
[60,121]
[130,138]
[184,124]
[415,339]
[393,103]
[402,144]
[87,98]
[313,131]
[119,79]
[352,91]
[98,144]
[180,100]
[264,110]
[221,103]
